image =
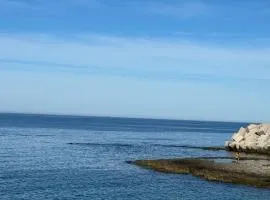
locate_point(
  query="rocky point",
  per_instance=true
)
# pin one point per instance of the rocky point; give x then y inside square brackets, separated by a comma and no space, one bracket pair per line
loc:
[255,138]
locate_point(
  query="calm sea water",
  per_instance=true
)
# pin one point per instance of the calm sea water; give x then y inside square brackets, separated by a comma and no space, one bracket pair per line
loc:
[65,157]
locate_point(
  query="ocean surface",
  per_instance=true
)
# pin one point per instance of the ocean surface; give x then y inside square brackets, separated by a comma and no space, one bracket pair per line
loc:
[69,157]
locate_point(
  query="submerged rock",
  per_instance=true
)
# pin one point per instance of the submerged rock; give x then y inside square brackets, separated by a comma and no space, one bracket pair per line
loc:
[252,139]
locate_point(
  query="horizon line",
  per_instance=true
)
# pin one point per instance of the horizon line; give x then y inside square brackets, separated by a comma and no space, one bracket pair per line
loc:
[119,117]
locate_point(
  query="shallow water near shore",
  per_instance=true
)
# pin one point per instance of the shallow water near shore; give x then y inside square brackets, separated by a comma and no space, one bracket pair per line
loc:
[225,160]
[60,157]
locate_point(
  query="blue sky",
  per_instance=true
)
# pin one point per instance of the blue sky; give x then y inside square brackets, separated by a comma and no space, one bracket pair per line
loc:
[182,59]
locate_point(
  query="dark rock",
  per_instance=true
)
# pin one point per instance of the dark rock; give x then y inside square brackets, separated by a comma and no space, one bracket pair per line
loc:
[249,171]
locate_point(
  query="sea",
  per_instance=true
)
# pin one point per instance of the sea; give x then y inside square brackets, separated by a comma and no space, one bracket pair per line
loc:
[73,157]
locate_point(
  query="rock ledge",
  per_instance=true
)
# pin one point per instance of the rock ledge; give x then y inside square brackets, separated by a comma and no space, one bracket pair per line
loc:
[249,171]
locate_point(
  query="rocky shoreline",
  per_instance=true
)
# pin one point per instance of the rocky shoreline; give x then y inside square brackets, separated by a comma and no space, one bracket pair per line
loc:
[249,171]
[252,169]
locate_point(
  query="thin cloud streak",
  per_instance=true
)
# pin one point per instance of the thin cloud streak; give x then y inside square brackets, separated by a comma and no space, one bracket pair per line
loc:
[137,57]
[28,65]
[164,47]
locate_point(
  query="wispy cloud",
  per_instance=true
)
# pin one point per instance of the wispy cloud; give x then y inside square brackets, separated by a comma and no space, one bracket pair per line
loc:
[187,59]
[137,57]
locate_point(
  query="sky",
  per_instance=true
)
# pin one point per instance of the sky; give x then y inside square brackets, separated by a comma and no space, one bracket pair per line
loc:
[177,59]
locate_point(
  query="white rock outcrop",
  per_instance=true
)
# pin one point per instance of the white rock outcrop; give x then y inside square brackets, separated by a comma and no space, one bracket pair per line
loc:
[254,138]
